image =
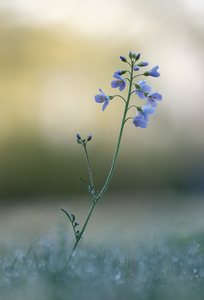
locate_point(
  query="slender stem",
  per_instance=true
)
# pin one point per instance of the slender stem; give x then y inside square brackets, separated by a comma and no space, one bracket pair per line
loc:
[120,97]
[131,106]
[110,174]
[128,119]
[137,76]
[89,167]
[96,197]
[81,232]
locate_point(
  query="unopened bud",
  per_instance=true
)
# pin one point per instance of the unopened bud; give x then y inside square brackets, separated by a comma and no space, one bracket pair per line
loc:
[123,58]
[130,55]
[89,138]
[78,136]
[137,56]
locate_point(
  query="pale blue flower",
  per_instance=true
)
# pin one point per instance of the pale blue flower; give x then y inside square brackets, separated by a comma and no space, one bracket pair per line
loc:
[102,98]
[119,82]
[142,89]
[142,118]
[153,72]
[153,98]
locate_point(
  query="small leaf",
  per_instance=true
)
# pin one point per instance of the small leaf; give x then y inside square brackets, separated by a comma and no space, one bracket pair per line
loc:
[75,224]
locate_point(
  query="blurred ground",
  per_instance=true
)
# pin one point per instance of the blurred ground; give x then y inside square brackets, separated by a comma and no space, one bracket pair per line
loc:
[123,218]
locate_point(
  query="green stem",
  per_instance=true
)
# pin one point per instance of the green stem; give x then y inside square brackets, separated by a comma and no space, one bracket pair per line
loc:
[89,167]
[81,233]
[110,174]
[95,198]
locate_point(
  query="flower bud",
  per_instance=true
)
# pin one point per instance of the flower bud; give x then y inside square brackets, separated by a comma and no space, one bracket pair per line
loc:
[130,55]
[137,56]
[123,58]
[78,136]
[89,138]
[133,55]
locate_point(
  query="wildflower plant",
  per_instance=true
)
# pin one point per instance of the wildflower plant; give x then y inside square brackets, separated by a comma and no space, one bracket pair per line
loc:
[125,79]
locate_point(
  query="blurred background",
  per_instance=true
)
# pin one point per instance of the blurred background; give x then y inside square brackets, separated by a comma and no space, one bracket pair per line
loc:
[54,55]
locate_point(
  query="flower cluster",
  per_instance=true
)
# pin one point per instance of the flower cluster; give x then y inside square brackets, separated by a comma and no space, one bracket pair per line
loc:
[142,89]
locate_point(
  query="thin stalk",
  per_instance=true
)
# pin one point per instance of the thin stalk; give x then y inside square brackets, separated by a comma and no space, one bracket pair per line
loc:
[81,233]
[128,119]
[89,167]
[96,198]
[120,97]
[110,174]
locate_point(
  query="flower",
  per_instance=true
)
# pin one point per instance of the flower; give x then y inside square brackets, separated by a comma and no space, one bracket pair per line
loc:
[139,121]
[147,110]
[152,98]
[142,89]
[142,118]
[119,82]
[153,72]
[102,98]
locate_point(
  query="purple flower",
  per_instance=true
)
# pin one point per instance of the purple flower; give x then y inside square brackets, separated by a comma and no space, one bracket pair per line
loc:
[147,110]
[153,98]
[139,121]
[102,98]
[153,72]
[142,118]
[119,82]
[142,89]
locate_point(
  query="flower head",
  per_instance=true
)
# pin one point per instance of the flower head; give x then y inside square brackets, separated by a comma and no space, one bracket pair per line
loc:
[119,82]
[142,118]
[153,72]
[153,98]
[142,89]
[102,98]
